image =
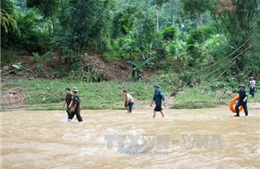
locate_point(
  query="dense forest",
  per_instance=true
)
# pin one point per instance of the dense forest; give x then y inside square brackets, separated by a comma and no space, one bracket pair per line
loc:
[196,39]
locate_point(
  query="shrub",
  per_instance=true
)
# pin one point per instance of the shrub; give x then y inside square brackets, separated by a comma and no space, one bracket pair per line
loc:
[169,33]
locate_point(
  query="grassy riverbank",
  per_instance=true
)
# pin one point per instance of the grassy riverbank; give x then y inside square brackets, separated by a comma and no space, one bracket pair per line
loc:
[49,95]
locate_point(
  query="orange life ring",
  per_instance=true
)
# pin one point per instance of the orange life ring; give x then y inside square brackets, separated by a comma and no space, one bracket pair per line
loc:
[232,107]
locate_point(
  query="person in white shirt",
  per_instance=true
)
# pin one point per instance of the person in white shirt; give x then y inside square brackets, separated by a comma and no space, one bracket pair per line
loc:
[129,101]
[251,86]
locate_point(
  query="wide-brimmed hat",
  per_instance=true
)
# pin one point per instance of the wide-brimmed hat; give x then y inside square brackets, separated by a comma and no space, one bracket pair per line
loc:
[242,85]
[74,89]
[156,85]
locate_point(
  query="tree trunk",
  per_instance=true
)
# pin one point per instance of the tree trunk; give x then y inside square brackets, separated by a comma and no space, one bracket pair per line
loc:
[173,19]
[200,19]
[157,17]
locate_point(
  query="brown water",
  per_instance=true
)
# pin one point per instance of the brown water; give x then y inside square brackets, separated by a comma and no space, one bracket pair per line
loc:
[206,138]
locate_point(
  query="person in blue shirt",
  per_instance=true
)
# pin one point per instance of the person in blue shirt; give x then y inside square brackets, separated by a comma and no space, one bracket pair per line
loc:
[242,100]
[158,98]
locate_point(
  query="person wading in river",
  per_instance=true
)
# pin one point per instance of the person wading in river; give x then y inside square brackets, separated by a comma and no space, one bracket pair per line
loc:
[75,106]
[129,101]
[67,100]
[242,100]
[158,98]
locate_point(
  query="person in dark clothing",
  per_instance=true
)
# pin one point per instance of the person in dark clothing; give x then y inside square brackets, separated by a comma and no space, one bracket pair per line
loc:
[158,98]
[67,100]
[242,100]
[75,106]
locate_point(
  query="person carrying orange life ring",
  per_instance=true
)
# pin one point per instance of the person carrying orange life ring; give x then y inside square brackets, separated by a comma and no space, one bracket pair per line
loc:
[232,103]
[242,100]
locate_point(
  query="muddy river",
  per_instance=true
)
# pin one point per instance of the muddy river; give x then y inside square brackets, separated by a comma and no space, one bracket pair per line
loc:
[184,139]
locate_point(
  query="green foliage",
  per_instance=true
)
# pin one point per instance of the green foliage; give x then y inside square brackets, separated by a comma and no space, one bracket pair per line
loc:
[126,46]
[240,25]
[157,48]
[237,22]
[39,58]
[196,99]
[145,32]
[159,3]
[124,21]
[217,46]
[8,21]
[139,66]
[171,49]
[47,7]
[201,34]
[82,26]
[190,35]
[220,85]
[197,6]
[30,39]
[142,41]
[169,33]
[94,76]
[196,41]
[169,80]
[77,74]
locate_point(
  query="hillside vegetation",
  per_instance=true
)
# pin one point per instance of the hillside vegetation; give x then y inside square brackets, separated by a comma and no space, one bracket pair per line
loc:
[188,48]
